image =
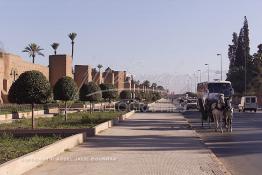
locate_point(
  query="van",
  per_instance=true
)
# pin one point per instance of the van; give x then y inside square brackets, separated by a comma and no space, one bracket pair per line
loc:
[248,103]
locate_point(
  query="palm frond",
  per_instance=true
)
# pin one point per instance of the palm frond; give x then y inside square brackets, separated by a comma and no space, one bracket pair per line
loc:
[72,36]
[41,54]
[27,49]
[33,49]
[99,66]
[55,46]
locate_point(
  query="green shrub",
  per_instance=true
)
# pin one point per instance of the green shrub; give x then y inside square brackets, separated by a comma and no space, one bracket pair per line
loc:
[65,90]
[11,147]
[125,94]
[90,92]
[109,92]
[75,120]
[31,87]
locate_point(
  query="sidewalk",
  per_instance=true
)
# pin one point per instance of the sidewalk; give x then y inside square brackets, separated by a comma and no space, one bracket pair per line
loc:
[147,144]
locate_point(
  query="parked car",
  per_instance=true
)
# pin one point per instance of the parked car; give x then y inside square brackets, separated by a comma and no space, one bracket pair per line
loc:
[129,105]
[248,103]
[191,104]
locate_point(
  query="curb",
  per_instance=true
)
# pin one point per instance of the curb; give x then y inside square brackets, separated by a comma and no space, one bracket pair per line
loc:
[31,160]
[38,157]
[108,124]
[212,154]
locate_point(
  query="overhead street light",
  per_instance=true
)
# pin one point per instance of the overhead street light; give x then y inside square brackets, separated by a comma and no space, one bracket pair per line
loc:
[199,75]
[207,71]
[196,79]
[219,54]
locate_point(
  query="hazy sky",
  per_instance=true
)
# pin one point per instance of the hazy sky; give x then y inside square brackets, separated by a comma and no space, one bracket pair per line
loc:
[162,40]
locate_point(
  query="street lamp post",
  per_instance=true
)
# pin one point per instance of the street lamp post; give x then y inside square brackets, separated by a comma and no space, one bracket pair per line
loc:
[219,54]
[245,72]
[199,75]
[207,72]
[195,82]
[189,83]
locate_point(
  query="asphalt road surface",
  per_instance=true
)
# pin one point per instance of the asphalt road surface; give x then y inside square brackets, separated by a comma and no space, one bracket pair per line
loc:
[241,150]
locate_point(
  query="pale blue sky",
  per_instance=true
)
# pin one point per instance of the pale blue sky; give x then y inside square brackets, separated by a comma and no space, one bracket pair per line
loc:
[149,38]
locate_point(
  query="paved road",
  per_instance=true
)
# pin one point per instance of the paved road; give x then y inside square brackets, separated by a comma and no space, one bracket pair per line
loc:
[163,105]
[240,151]
[147,144]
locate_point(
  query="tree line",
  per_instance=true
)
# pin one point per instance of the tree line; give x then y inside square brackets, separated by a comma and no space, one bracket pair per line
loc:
[32,87]
[245,69]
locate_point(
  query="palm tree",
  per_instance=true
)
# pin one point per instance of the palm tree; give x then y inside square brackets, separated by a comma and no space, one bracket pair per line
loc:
[33,50]
[55,46]
[146,83]
[154,85]
[99,66]
[72,36]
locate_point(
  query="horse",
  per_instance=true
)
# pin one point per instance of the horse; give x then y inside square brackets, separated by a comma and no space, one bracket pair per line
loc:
[228,115]
[218,111]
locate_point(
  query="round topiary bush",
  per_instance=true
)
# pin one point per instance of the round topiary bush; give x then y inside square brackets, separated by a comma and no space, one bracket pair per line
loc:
[125,94]
[31,87]
[65,90]
[109,92]
[90,92]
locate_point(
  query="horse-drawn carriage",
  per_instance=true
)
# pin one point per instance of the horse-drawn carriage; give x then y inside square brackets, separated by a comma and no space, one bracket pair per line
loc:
[214,103]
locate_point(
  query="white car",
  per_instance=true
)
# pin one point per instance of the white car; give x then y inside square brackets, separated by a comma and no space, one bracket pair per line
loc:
[248,103]
[191,104]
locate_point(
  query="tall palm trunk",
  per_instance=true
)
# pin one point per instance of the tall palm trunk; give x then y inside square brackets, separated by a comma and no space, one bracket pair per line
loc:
[73,43]
[33,59]
[55,52]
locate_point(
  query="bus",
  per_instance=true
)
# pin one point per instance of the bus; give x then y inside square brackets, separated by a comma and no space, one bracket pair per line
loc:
[207,91]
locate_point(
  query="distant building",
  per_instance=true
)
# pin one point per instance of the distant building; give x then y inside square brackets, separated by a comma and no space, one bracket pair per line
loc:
[83,74]
[109,76]
[11,66]
[59,66]
[97,76]
[119,80]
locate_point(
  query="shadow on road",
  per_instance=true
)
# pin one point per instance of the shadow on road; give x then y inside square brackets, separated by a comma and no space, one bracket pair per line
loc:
[246,137]
[148,134]
[144,143]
